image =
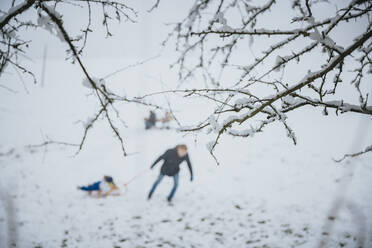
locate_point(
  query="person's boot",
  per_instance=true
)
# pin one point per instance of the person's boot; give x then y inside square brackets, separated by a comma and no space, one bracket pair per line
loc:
[149,196]
[169,199]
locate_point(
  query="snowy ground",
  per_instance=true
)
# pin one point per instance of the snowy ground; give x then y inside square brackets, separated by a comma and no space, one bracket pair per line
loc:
[265,193]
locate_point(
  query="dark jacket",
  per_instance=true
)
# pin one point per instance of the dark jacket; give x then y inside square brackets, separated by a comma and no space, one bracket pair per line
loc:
[171,164]
[152,117]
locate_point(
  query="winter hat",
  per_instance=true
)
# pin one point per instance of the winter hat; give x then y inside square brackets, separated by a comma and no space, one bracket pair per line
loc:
[108,179]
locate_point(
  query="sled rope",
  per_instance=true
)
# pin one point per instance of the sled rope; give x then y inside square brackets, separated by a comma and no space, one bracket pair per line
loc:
[133,178]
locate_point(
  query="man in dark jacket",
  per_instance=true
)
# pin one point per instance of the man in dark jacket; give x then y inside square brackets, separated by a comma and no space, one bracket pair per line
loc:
[171,166]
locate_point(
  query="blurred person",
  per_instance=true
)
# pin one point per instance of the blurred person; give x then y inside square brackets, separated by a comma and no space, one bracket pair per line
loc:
[166,120]
[150,121]
[103,188]
[172,159]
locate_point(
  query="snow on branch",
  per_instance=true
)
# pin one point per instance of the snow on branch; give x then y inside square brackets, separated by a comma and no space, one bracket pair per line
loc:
[352,155]
[210,39]
[309,78]
[14,11]
[268,32]
[51,18]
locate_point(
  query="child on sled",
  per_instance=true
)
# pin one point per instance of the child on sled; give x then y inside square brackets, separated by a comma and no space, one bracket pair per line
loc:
[103,188]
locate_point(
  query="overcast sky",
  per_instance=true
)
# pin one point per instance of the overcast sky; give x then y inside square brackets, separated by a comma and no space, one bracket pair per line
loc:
[135,40]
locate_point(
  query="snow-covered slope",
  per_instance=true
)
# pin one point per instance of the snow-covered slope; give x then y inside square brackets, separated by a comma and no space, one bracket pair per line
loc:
[265,193]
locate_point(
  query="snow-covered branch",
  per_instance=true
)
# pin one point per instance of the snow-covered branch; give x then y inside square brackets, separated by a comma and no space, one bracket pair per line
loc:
[217,39]
[352,155]
[100,92]
[14,11]
[52,20]
[226,33]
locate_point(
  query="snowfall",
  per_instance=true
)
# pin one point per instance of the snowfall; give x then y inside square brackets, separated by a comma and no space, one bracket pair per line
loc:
[266,192]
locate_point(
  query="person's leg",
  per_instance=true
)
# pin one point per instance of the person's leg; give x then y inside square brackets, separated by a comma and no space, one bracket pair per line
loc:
[92,187]
[147,124]
[158,180]
[175,185]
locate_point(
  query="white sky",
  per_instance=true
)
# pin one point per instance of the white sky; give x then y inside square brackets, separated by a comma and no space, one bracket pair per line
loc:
[135,40]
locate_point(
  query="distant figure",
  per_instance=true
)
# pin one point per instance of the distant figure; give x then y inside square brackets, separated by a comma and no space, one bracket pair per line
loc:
[165,121]
[151,121]
[171,166]
[103,188]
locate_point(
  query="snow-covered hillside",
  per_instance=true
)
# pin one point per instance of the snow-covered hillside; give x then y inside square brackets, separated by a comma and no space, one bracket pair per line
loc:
[265,193]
